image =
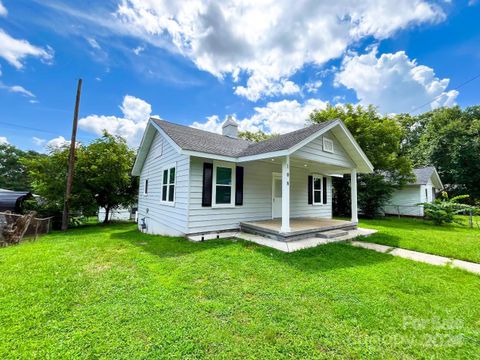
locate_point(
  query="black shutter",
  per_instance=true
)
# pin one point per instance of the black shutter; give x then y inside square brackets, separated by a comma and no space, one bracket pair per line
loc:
[207,184]
[239,185]
[324,190]
[310,189]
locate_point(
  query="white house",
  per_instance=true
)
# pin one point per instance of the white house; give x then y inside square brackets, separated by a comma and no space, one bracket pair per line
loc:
[404,201]
[119,214]
[194,182]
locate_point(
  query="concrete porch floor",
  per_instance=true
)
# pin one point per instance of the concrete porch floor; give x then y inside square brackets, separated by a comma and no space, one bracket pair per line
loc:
[300,227]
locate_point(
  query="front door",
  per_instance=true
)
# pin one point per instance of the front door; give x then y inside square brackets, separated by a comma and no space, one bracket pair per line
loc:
[276,195]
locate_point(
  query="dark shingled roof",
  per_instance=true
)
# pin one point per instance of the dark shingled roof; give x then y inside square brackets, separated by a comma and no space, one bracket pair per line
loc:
[422,175]
[192,139]
[283,142]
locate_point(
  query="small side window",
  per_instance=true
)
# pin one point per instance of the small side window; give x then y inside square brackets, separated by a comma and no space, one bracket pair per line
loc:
[168,185]
[145,188]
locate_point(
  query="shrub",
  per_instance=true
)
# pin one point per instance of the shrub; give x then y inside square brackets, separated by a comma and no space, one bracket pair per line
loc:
[444,209]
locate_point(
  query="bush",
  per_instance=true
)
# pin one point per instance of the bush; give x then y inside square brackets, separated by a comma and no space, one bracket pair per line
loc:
[444,209]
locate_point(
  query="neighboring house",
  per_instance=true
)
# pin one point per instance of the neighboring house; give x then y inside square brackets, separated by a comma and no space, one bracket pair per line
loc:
[197,182]
[404,201]
[120,214]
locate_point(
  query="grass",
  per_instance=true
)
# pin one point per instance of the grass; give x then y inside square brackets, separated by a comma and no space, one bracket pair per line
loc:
[452,240]
[111,292]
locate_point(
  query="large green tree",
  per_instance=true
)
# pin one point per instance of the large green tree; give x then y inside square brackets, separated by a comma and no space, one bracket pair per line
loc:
[102,177]
[449,139]
[105,170]
[13,174]
[380,138]
[255,136]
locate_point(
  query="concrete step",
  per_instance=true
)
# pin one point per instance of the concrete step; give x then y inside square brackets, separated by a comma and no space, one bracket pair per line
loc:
[332,234]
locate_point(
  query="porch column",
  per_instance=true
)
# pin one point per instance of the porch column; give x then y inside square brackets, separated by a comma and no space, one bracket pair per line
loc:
[285,195]
[353,188]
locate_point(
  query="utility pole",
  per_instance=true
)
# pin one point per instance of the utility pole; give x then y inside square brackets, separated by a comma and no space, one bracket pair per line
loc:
[71,160]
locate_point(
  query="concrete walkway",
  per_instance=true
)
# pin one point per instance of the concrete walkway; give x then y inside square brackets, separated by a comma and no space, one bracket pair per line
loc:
[420,257]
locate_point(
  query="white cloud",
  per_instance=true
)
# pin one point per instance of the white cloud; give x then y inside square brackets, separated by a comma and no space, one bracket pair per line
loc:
[3,10]
[93,43]
[393,82]
[57,142]
[17,89]
[20,90]
[3,140]
[313,86]
[268,41]
[15,50]
[136,113]
[276,117]
[39,142]
[138,50]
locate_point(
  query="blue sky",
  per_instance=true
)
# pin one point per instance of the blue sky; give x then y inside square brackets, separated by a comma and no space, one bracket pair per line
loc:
[194,62]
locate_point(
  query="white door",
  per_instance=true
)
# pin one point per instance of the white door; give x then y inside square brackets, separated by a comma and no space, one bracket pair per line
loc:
[276,195]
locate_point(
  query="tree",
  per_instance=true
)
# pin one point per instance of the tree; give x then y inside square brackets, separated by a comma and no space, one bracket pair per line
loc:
[48,174]
[449,139]
[102,177]
[380,138]
[105,171]
[13,174]
[256,136]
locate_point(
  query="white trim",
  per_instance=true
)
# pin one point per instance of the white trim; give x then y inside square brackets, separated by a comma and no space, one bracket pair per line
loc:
[168,168]
[268,155]
[435,173]
[326,144]
[164,134]
[357,147]
[353,194]
[285,195]
[317,176]
[209,156]
[228,165]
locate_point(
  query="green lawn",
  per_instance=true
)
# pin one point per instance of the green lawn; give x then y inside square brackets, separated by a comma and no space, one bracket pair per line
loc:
[111,292]
[452,240]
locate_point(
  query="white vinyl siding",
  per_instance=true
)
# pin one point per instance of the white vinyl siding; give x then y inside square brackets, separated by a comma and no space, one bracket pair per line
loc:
[403,201]
[162,218]
[257,197]
[313,151]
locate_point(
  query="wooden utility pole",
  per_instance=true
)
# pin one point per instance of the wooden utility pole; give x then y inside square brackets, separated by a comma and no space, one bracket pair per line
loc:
[71,160]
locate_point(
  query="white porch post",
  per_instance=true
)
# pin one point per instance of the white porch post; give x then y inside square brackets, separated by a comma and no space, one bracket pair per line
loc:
[285,195]
[353,188]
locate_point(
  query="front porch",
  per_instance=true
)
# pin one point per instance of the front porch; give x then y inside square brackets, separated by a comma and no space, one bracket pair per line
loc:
[300,228]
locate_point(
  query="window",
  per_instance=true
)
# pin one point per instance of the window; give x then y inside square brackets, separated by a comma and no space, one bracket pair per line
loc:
[223,185]
[317,189]
[168,184]
[145,188]
[327,145]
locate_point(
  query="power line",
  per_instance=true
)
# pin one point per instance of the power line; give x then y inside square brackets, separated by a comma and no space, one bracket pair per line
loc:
[439,96]
[26,128]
